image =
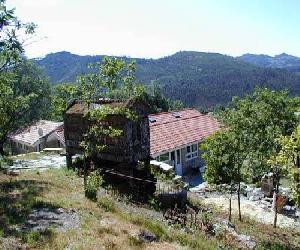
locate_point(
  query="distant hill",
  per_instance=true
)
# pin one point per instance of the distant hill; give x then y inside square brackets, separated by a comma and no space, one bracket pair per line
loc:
[282,61]
[197,79]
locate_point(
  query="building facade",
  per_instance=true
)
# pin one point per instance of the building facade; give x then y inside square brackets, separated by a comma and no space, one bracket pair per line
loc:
[34,138]
[175,138]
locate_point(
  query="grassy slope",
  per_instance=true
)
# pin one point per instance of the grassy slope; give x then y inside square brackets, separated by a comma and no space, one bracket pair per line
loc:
[103,224]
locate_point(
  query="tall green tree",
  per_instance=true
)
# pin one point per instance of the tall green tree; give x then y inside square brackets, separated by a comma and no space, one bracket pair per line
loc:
[257,120]
[61,94]
[11,31]
[113,79]
[25,97]
[223,157]
[157,101]
[15,97]
[287,164]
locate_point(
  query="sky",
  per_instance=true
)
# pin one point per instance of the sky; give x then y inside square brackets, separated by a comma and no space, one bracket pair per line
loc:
[157,28]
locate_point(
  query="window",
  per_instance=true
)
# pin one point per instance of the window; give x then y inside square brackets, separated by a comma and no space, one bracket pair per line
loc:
[176,114]
[191,152]
[152,119]
[164,157]
[71,143]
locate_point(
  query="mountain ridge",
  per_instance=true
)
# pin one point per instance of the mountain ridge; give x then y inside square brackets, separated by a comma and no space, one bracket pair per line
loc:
[198,79]
[281,61]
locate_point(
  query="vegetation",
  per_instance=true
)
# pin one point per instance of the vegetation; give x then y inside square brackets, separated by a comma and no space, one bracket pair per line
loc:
[223,160]
[257,121]
[107,222]
[93,183]
[283,61]
[243,149]
[196,79]
[287,161]
[24,91]
[61,94]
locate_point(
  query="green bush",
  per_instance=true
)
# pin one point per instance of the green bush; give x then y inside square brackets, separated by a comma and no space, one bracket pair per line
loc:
[92,184]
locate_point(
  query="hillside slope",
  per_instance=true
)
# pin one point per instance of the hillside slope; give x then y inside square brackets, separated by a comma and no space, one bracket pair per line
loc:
[282,61]
[196,78]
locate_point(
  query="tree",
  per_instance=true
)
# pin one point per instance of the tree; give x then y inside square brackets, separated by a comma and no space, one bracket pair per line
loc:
[279,170]
[113,78]
[60,96]
[288,159]
[157,101]
[24,98]
[287,163]
[223,161]
[11,45]
[15,97]
[252,126]
[259,119]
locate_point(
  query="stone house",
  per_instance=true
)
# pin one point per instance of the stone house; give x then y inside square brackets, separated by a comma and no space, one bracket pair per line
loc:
[34,138]
[175,138]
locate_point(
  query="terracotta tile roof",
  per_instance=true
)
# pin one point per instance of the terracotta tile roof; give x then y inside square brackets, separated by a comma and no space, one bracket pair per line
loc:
[33,133]
[168,132]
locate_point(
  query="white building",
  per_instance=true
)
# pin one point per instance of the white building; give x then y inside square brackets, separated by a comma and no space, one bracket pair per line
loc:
[40,135]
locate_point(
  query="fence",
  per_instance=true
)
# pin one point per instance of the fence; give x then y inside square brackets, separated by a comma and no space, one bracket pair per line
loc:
[141,186]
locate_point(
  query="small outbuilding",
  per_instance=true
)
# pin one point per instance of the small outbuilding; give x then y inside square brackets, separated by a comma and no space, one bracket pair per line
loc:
[132,146]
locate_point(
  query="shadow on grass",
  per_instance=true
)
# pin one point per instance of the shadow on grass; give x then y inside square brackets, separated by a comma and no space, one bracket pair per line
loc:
[18,198]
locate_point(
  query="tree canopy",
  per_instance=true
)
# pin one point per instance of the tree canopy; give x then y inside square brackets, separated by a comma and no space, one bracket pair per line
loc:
[257,120]
[24,92]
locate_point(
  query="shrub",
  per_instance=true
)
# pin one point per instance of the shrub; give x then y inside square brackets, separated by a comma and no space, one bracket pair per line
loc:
[92,183]
[154,203]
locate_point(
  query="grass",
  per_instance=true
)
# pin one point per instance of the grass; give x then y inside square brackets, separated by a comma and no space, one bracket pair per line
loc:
[105,223]
[37,237]
[107,204]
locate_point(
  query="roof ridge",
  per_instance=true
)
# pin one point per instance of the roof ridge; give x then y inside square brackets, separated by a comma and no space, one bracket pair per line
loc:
[173,121]
[169,112]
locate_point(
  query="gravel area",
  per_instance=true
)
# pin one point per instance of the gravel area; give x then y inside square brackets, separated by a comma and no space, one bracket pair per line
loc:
[257,210]
[40,162]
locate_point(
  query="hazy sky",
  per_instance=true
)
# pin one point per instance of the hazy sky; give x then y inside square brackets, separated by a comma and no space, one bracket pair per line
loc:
[155,28]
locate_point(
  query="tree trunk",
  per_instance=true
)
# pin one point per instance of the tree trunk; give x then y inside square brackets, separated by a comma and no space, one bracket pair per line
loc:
[84,170]
[230,199]
[239,201]
[1,148]
[275,202]
[275,209]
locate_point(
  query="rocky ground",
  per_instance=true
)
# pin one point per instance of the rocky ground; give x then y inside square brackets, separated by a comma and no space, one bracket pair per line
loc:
[60,219]
[253,205]
[35,161]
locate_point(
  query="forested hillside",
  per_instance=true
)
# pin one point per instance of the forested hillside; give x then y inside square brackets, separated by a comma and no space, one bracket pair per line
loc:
[196,78]
[282,61]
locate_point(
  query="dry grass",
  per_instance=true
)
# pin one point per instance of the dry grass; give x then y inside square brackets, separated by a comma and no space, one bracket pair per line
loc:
[103,224]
